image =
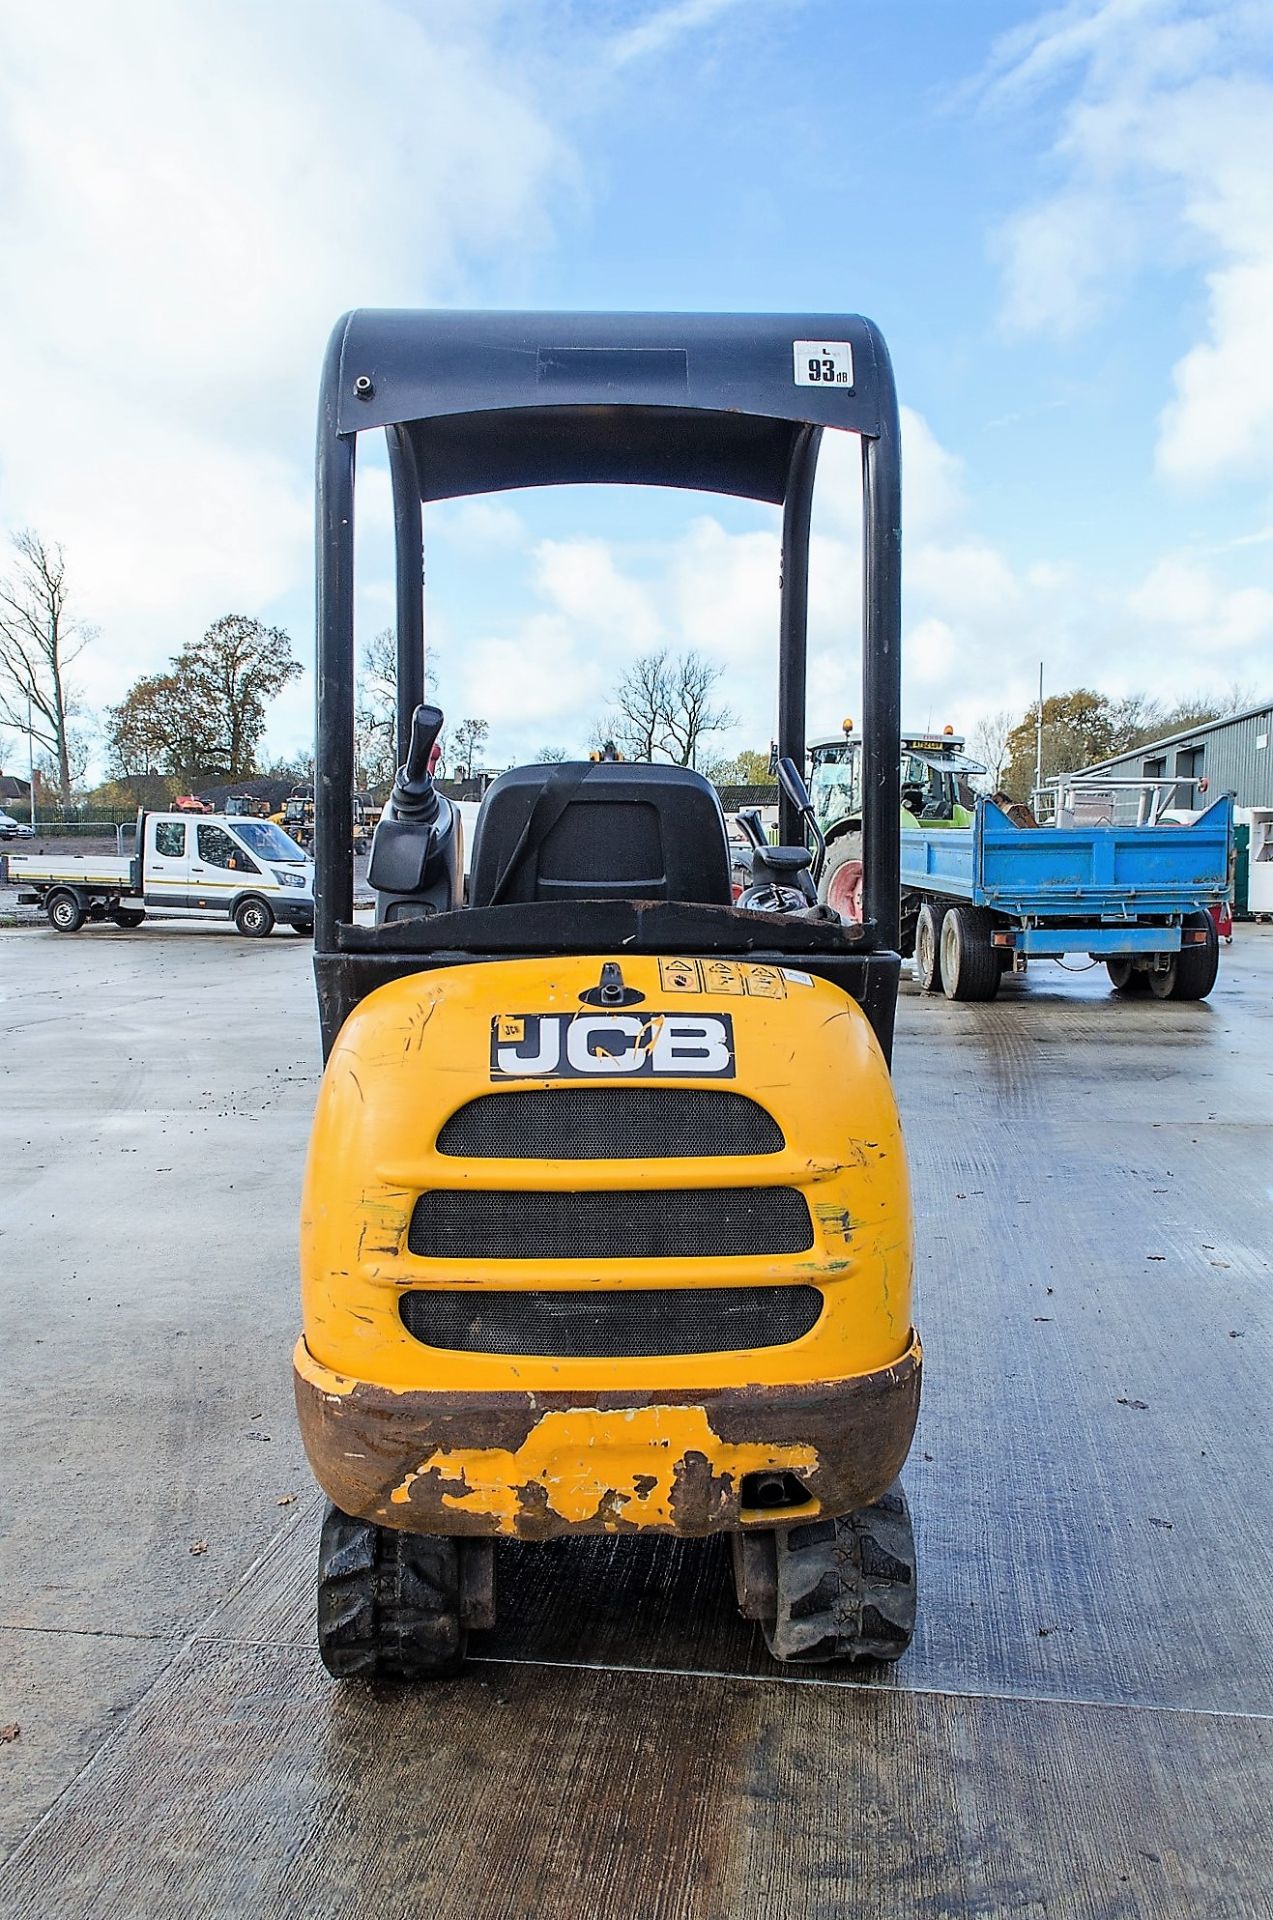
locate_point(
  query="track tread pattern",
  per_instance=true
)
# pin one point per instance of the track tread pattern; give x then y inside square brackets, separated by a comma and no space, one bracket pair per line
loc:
[846,1587]
[388,1602]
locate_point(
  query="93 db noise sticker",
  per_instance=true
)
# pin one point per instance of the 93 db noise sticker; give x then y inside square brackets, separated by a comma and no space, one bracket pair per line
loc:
[595,1044]
[823,363]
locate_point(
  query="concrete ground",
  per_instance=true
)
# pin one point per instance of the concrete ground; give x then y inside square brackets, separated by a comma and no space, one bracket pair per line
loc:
[1084,1726]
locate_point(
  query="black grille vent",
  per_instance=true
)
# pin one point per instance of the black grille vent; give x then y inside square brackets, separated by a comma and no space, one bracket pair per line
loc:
[720,1223]
[612,1326]
[610,1123]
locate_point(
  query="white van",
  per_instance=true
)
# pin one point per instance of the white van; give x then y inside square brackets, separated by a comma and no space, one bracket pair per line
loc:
[205,864]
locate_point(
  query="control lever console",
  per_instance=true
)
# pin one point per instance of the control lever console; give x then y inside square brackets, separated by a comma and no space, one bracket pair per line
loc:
[415,853]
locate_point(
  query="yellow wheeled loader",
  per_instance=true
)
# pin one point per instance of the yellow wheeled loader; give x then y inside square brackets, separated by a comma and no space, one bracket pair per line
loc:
[606,1224]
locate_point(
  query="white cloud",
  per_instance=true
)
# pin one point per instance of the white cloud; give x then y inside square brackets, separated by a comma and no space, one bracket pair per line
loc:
[1187,601]
[664,26]
[192,197]
[1164,157]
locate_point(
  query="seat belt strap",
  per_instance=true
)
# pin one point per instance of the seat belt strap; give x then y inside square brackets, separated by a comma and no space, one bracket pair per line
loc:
[556,794]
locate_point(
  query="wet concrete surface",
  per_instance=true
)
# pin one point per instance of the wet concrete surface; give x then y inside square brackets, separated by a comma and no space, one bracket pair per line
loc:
[1084,1725]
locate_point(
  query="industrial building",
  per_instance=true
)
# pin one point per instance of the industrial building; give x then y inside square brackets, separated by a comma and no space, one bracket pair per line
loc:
[1233,755]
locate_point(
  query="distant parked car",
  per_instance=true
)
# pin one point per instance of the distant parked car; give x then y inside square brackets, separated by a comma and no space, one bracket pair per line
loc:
[11,829]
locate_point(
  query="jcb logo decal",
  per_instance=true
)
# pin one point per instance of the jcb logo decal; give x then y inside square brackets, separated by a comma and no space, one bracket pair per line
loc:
[577,1046]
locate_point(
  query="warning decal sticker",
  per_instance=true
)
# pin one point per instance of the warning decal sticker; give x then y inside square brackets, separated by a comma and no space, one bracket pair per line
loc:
[823,363]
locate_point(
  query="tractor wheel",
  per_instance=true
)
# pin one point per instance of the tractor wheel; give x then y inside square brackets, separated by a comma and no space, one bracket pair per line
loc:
[65,913]
[928,946]
[128,917]
[969,964]
[846,1588]
[1192,972]
[840,883]
[388,1602]
[254,916]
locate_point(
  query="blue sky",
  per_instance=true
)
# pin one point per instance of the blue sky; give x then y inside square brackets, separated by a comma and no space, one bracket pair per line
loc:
[1062,217]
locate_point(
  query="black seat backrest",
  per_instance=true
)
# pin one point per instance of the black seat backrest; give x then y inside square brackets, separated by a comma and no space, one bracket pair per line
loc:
[626,831]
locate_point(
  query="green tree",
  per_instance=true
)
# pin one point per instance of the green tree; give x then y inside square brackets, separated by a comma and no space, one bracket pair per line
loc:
[467,741]
[750,768]
[1082,727]
[205,717]
[1078,728]
[229,677]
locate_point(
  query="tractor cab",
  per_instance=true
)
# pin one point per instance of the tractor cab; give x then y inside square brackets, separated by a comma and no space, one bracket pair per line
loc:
[935,790]
[605,1224]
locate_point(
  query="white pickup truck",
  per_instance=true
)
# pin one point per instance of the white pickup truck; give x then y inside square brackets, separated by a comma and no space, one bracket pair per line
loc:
[212,864]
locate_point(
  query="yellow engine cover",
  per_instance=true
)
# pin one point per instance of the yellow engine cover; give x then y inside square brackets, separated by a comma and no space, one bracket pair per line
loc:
[416,1051]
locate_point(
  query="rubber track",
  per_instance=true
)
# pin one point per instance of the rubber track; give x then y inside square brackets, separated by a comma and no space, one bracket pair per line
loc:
[388,1602]
[846,1588]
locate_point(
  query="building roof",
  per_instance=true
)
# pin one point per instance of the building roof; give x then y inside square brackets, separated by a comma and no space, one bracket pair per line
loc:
[11,788]
[1173,739]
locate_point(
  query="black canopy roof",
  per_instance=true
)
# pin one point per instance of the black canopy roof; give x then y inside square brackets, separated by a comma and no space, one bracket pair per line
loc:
[713,402]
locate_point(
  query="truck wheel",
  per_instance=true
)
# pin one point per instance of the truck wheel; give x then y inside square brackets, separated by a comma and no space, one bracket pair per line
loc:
[840,884]
[928,946]
[128,916]
[254,917]
[846,1588]
[969,964]
[1125,976]
[388,1602]
[1192,972]
[907,923]
[66,915]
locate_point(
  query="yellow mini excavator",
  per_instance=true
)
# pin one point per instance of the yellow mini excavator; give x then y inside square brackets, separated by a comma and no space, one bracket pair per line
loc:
[606,1224]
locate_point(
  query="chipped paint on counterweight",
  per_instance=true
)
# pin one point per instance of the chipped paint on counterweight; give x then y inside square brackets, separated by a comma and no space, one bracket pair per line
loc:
[574,1456]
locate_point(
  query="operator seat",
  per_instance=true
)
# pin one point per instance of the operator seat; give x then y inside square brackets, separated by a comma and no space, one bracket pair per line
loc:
[600,830]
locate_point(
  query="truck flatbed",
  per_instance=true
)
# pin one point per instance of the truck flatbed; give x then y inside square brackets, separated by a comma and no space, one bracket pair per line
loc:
[1114,892]
[69,869]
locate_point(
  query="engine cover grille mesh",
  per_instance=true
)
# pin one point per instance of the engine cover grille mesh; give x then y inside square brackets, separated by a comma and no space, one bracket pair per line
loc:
[720,1223]
[641,1323]
[610,1123]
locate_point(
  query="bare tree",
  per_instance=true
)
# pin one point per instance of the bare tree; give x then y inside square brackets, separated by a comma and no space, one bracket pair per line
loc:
[663,707]
[690,716]
[376,714]
[39,642]
[990,743]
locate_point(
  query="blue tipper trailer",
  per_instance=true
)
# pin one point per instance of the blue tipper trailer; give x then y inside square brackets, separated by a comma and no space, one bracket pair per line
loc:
[990,897]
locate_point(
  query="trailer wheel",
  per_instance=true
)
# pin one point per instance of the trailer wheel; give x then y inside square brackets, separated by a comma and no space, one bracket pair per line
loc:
[1192,972]
[388,1602]
[66,915]
[128,916]
[928,946]
[254,916]
[1125,976]
[969,964]
[846,1588]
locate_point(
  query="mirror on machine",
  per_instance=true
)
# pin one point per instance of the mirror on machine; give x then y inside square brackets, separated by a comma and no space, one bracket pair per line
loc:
[414,863]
